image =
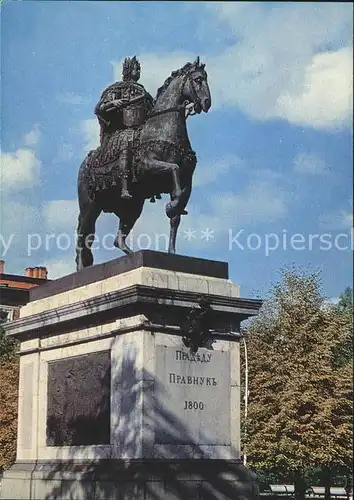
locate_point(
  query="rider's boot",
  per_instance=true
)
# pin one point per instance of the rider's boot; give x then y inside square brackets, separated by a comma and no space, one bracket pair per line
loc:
[125,158]
[125,192]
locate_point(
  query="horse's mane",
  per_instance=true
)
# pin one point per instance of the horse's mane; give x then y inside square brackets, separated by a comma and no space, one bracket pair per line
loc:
[173,75]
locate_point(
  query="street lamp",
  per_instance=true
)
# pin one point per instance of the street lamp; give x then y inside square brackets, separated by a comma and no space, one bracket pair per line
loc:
[242,337]
[246,399]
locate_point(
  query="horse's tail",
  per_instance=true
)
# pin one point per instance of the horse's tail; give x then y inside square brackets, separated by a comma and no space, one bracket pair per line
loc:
[86,177]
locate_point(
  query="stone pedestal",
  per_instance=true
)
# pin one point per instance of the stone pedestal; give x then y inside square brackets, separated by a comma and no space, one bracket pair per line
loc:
[112,404]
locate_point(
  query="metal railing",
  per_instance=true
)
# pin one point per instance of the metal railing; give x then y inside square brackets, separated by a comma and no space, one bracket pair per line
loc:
[282,491]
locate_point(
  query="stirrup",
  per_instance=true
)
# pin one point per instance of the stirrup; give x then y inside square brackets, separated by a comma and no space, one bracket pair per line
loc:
[126,195]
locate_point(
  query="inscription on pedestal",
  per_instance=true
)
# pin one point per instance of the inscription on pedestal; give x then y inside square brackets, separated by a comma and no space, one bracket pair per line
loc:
[78,411]
[192,397]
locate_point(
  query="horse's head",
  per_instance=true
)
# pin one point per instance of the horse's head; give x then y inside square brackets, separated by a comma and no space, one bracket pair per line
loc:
[196,89]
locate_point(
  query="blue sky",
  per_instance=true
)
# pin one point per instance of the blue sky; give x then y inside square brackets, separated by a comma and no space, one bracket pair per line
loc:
[274,152]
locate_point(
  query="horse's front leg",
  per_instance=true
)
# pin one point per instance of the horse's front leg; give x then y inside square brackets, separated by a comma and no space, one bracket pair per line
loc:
[174,224]
[159,166]
[176,193]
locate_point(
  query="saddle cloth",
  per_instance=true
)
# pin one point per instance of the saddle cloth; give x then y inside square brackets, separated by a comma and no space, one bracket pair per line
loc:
[103,165]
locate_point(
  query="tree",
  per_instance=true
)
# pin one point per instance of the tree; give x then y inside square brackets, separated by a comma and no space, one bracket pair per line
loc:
[345,309]
[7,345]
[9,374]
[300,402]
[346,299]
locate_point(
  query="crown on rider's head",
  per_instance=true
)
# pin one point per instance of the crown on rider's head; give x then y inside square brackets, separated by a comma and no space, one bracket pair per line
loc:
[128,65]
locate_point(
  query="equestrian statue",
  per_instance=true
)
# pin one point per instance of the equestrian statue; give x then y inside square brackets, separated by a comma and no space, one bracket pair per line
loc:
[144,152]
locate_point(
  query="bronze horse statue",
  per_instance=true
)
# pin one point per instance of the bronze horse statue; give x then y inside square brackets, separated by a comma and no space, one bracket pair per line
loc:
[164,162]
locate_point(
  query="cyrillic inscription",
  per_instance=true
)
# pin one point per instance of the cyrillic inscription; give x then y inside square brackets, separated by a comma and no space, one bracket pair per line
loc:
[189,380]
[195,396]
[196,358]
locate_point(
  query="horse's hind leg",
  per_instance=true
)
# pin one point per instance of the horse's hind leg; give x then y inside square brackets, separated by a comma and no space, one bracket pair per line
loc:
[86,234]
[123,231]
[126,224]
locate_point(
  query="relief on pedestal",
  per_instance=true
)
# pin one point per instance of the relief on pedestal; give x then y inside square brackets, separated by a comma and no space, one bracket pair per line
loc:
[78,404]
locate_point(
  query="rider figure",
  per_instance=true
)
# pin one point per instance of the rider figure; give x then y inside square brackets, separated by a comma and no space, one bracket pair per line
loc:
[124,106]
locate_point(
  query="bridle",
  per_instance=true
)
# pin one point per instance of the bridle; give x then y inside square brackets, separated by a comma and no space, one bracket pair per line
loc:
[195,97]
[187,106]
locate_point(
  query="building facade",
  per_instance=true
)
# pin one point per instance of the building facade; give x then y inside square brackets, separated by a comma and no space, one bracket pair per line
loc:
[14,289]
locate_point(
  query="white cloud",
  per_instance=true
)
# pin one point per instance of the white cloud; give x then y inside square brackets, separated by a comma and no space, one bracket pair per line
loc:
[153,222]
[57,268]
[326,97]
[280,66]
[19,169]
[19,219]
[262,201]
[309,163]
[341,220]
[210,171]
[61,216]
[32,137]
[286,62]
[90,131]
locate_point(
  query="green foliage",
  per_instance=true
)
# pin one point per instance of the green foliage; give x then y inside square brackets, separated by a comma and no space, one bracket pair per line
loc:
[343,353]
[9,372]
[7,345]
[300,397]
[346,299]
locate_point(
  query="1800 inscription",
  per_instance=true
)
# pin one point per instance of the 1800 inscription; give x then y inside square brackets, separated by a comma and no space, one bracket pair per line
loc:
[196,387]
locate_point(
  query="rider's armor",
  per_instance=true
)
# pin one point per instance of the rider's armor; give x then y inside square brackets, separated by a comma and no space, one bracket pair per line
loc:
[138,103]
[134,115]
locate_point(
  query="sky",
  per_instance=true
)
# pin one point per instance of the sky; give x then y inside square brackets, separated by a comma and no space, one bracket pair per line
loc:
[272,187]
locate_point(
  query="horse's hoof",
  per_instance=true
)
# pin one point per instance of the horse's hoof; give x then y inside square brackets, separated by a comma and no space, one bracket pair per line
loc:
[127,250]
[122,246]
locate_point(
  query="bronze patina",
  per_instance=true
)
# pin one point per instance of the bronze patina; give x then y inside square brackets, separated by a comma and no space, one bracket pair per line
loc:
[144,152]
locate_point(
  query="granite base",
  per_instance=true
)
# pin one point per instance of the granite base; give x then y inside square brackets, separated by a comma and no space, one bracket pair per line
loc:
[129,480]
